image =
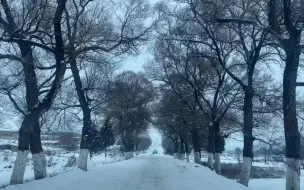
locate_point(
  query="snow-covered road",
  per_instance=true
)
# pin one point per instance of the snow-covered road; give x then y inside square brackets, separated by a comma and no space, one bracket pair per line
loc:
[148,172]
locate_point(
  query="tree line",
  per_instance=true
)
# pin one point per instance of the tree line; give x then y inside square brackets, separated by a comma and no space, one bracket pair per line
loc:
[215,61]
[59,64]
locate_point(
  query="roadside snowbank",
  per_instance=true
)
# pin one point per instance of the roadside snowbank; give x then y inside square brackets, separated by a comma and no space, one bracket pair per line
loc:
[58,162]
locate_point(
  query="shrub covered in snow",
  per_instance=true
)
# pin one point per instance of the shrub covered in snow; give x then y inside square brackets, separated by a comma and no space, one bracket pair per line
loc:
[232,171]
[50,162]
[5,158]
[72,161]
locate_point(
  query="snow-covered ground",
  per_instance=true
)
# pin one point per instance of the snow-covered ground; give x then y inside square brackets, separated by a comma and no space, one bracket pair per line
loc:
[58,162]
[271,184]
[227,157]
[149,172]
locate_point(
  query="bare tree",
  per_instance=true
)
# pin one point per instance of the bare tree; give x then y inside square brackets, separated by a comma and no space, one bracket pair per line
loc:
[9,27]
[286,24]
[238,152]
[173,118]
[89,33]
[249,46]
[17,33]
[213,91]
[130,95]
[158,71]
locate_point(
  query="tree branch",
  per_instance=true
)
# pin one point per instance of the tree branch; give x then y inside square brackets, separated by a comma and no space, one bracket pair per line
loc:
[300,84]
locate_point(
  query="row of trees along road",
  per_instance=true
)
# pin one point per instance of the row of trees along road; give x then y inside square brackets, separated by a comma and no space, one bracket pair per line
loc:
[212,57]
[212,60]
[48,45]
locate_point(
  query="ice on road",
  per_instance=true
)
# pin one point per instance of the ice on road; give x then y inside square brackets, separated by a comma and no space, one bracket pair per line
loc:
[149,172]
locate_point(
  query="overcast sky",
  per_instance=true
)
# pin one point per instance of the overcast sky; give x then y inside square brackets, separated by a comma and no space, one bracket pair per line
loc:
[136,63]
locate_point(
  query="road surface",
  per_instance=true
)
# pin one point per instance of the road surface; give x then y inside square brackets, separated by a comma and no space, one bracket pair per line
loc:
[150,172]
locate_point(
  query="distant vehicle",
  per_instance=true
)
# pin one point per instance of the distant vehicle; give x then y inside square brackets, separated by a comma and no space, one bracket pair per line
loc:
[155,151]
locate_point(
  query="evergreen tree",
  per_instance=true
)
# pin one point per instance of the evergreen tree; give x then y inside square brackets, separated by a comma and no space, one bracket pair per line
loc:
[107,134]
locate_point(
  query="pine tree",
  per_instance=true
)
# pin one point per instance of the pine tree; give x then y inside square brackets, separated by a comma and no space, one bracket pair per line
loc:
[107,135]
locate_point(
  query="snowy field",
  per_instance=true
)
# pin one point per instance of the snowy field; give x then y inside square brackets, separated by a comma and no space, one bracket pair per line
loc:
[231,158]
[58,161]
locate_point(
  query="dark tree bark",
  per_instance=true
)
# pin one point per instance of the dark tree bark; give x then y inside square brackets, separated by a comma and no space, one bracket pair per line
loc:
[292,135]
[196,146]
[136,146]
[218,139]
[128,144]
[291,129]
[32,94]
[196,141]
[182,148]
[86,111]
[248,124]
[211,140]
[290,42]
[83,103]
[218,147]
[28,140]
[211,145]
[187,150]
[176,146]
[247,130]
[29,125]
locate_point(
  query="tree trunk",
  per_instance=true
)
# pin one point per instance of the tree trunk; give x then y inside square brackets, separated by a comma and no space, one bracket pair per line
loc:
[196,147]
[211,144]
[28,123]
[245,172]
[176,149]
[182,150]
[84,144]
[248,137]
[136,146]
[187,152]
[21,159]
[197,157]
[188,156]
[32,93]
[265,158]
[105,151]
[27,132]
[83,159]
[129,147]
[293,174]
[87,123]
[39,161]
[217,163]
[19,167]
[239,159]
[292,134]
[218,147]
[30,134]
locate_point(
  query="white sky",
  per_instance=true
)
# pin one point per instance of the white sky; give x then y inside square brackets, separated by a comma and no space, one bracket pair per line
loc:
[136,63]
